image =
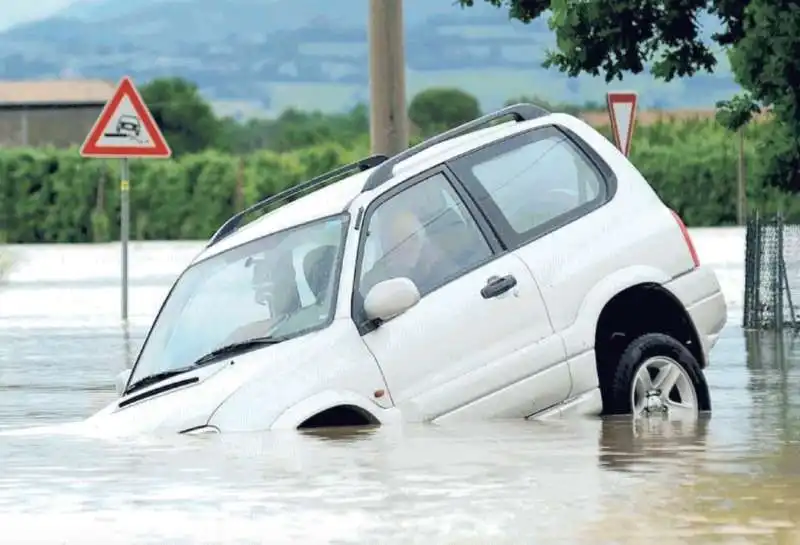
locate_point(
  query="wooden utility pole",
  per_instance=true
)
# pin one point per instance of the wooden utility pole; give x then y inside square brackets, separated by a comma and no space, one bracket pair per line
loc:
[741,197]
[387,71]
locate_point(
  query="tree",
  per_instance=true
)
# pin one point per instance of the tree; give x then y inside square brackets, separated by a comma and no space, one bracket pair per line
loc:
[439,108]
[186,119]
[765,61]
[294,129]
[614,37]
[564,107]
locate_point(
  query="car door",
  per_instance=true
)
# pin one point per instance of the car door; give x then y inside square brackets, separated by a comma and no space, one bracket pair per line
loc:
[480,332]
[537,188]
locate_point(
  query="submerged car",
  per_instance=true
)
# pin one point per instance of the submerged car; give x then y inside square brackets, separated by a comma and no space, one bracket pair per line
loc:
[517,269]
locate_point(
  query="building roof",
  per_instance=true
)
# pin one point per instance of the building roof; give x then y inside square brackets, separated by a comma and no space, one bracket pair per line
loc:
[63,91]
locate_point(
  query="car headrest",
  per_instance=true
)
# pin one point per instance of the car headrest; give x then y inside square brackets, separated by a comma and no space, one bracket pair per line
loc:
[317,265]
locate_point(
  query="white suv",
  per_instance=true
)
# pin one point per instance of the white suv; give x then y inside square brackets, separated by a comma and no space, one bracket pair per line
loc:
[499,270]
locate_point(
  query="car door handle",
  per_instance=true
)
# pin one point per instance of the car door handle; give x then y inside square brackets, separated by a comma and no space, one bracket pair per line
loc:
[498,285]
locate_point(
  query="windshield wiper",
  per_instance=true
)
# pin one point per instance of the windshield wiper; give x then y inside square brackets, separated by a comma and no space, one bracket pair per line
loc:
[227,350]
[237,348]
[156,377]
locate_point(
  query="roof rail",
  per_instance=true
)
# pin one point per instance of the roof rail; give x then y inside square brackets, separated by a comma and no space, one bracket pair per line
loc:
[519,112]
[232,224]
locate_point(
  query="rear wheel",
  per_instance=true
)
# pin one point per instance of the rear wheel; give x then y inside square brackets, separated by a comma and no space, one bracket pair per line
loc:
[657,376]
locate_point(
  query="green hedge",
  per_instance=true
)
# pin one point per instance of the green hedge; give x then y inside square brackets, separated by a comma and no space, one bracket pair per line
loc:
[56,196]
[49,195]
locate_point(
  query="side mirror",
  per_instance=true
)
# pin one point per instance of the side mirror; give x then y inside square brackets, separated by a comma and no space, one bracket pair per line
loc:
[390,298]
[122,380]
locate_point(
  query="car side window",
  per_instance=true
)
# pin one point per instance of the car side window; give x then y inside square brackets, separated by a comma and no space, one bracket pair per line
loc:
[424,233]
[535,178]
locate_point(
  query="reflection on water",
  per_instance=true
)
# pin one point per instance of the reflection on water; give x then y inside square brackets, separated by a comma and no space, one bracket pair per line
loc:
[774,376]
[647,445]
[731,478]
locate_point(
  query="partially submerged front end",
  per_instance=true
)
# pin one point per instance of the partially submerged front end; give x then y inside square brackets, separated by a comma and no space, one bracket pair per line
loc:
[279,387]
[248,339]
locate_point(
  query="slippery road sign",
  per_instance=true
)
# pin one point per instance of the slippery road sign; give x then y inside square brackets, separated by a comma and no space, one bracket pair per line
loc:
[126,128]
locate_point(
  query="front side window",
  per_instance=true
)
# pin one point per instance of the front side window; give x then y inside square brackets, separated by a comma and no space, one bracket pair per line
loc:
[281,285]
[535,178]
[424,233]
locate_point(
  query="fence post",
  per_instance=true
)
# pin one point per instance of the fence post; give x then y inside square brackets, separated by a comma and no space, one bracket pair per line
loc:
[759,258]
[789,300]
[779,273]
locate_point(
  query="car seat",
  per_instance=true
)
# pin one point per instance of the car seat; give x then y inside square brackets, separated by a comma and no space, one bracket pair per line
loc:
[274,284]
[317,266]
[458,240]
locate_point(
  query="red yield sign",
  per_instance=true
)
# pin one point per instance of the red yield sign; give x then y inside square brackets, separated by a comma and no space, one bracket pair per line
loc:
[622,112]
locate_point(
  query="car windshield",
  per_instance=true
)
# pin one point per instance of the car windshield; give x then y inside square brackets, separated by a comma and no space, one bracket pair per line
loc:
[282,285]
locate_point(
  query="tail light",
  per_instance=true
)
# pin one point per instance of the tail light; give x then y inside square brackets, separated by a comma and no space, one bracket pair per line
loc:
[687,238]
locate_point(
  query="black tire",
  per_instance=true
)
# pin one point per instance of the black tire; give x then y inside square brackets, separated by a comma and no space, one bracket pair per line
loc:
[618,391]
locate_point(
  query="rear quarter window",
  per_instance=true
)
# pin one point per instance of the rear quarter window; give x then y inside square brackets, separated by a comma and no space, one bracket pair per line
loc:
[533,181]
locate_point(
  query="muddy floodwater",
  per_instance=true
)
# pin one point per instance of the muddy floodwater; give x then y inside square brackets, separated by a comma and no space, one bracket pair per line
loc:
[734,478]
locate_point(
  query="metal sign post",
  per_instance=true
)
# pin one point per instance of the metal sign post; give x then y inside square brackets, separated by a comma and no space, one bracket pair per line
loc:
[125,129]
[125,228]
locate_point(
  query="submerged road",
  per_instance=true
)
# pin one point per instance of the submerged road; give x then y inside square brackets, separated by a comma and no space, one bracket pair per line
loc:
[732,479]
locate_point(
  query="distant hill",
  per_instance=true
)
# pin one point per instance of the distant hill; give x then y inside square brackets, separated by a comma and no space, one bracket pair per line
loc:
[260,56]
[17,12]
[99,10]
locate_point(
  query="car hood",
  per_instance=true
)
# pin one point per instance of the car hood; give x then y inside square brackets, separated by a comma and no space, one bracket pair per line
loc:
[191,405]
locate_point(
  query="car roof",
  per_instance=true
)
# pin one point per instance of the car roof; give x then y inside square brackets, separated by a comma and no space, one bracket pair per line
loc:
[324,202]
[336,197]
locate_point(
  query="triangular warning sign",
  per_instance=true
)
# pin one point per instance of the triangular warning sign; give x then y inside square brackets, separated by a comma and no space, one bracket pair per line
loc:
[125,128]
[622,111]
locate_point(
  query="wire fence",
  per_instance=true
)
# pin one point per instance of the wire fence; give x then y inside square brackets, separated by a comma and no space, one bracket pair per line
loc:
[772,274]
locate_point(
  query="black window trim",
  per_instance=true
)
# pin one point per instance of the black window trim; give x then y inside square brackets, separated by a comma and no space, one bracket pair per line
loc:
[461,167]
[496,248]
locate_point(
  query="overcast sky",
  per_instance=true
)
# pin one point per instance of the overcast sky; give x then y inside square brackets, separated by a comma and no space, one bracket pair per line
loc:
[13,12]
